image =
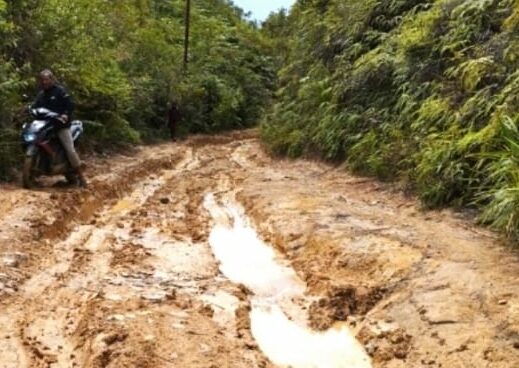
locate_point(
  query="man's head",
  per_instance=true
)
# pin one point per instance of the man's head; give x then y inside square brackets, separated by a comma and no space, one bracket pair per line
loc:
[47,79]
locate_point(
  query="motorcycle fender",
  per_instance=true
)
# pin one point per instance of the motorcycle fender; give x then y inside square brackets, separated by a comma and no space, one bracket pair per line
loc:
[46,147]
[31,150]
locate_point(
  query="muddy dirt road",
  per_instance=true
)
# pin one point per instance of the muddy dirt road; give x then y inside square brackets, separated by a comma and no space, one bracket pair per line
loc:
[208,253]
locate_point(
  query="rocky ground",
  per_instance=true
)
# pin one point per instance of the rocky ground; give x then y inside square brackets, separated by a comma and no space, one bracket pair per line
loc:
[129,273]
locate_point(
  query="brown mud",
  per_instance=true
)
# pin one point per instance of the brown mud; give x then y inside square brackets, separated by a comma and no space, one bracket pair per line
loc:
[123,274]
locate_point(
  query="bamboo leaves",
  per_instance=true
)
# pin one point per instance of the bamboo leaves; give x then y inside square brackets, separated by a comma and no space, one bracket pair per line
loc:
[422,90]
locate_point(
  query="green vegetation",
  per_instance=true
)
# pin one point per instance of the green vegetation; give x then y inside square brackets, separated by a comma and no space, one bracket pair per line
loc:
[425,91]
[122,61]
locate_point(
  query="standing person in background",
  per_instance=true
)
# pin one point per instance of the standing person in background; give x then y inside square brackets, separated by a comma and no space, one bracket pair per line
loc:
[55,97]
[174,117]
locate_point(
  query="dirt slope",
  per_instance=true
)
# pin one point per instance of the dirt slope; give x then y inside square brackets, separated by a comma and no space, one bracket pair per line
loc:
[123,275]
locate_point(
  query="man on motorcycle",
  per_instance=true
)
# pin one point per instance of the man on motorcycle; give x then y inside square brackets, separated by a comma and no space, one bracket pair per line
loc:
[55,97]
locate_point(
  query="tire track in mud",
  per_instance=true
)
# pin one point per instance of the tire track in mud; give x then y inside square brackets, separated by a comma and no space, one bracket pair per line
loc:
[27,230]
[40,218]
[130,280]
[59,296]
[422,289]
[130,258]
[279,300]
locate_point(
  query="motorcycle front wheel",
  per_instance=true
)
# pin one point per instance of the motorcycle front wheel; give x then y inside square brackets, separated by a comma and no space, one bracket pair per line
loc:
[27,177]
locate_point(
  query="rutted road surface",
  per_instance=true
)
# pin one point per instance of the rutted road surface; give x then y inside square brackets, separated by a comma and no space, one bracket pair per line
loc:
[208,253]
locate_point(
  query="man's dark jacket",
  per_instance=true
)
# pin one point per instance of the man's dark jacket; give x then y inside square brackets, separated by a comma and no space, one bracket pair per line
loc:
[56,99]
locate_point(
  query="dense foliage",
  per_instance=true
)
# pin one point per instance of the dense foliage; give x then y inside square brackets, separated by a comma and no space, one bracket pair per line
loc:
[123,63]
[424,90]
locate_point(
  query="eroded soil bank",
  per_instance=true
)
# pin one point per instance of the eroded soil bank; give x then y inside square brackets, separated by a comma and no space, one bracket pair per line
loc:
[128,273]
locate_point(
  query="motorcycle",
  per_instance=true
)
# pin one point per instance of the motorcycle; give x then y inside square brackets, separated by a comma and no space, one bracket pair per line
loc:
[44,154]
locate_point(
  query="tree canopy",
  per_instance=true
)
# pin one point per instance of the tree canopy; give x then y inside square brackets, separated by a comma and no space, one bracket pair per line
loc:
[122,62]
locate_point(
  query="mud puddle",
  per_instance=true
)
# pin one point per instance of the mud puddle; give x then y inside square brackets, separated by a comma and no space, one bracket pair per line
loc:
[278,303]
[154,272]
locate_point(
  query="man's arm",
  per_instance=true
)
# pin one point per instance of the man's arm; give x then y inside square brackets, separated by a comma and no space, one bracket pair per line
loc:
[68,103]
[38,101]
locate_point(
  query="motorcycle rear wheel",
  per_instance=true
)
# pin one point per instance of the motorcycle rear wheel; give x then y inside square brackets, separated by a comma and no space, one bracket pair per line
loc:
[27,177]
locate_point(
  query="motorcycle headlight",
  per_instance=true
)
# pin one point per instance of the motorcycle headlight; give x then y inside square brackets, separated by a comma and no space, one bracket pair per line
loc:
[29,137]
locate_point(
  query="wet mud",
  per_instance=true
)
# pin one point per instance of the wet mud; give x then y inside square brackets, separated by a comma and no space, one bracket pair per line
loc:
[210,253]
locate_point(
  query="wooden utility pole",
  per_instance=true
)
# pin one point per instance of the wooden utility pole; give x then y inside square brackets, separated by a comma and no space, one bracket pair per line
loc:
[186,36]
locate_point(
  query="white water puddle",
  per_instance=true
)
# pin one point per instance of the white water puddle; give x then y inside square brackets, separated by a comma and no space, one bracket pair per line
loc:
[289,344]
[245,259]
